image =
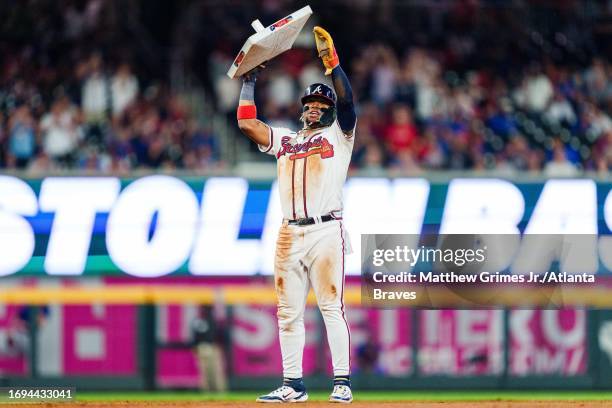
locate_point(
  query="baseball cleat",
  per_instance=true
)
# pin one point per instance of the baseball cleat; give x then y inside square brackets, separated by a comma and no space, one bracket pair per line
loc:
[284,394]
[341,393]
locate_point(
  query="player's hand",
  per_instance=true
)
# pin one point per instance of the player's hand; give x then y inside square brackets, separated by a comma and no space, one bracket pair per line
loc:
[325,48]
[251,76]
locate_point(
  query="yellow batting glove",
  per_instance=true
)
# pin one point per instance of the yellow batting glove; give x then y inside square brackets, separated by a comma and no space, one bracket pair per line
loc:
[325,48]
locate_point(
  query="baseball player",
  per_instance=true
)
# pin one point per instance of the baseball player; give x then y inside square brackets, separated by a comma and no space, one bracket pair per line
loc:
[312,164]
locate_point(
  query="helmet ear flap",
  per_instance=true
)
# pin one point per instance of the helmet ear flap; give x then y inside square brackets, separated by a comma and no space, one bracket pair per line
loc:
[328,117]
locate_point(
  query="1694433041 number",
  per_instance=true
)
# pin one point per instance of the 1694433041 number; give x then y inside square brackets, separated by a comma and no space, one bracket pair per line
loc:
[24,394]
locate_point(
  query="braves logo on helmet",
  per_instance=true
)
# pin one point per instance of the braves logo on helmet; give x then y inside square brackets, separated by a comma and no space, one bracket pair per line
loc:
[319,91]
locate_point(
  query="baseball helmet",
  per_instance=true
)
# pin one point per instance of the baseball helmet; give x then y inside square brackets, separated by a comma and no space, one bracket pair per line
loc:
[323,93]
[319,91]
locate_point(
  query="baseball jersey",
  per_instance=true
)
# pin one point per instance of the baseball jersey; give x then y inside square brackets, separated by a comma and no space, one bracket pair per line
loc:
[312,167]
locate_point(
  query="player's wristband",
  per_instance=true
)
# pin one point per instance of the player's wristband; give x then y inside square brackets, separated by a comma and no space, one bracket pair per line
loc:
[246,112]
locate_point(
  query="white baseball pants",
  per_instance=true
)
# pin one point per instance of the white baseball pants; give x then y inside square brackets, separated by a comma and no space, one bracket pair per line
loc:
[311,255]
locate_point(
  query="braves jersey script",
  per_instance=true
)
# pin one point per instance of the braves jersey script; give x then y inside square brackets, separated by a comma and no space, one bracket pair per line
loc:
[312,167]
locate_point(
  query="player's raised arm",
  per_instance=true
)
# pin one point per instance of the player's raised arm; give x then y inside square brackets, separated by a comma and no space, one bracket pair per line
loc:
[345,106]
[248,123]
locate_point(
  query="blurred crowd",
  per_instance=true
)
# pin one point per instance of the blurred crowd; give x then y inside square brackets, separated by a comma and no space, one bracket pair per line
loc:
[550,118]
[466,85]
[70,97]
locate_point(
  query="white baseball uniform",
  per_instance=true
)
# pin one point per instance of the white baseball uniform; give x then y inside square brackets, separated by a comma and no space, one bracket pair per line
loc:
[312,166]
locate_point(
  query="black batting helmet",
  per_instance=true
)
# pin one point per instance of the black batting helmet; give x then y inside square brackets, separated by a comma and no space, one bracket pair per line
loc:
[319,91]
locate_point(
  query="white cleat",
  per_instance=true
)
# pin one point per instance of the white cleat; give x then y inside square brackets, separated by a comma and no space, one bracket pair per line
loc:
[284,394]
[342,394]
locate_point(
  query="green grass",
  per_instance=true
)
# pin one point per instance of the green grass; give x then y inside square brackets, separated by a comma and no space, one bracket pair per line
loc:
[360,396]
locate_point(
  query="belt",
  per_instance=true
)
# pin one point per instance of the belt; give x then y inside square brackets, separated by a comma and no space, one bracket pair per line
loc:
[313,220]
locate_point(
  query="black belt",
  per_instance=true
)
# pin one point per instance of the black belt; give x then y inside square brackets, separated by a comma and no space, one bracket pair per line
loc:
[312,220]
